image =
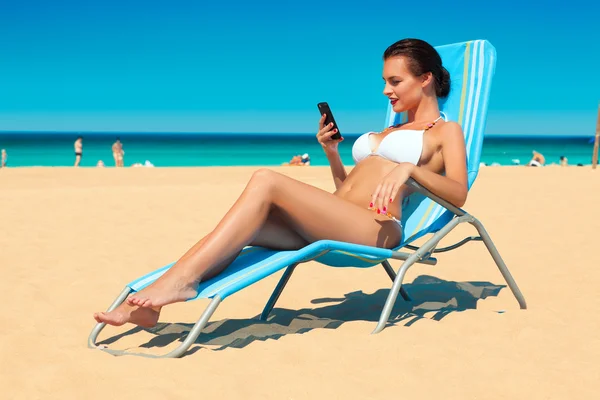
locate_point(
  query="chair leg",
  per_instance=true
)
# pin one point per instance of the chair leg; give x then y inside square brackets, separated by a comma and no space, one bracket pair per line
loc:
[412,259]
[175,353]
[277,292]
[499,262]
[392,274]
[393,294]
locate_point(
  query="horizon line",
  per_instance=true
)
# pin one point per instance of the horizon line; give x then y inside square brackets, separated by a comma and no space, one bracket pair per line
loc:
[198,133]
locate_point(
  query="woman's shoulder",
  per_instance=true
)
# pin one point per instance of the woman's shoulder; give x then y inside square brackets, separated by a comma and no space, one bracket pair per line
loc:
[451,130]
[450,125]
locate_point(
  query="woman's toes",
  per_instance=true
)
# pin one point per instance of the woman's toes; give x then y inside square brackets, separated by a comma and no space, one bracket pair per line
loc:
[135,301]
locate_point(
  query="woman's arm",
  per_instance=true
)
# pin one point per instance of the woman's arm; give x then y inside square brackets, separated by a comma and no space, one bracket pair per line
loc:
[453,187]
[337,168]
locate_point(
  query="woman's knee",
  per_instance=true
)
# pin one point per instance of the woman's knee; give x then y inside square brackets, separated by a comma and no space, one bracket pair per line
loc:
[264,173]
[263,178]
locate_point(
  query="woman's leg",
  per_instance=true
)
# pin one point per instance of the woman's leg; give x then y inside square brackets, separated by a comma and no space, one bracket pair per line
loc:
[274,234]
[312,213]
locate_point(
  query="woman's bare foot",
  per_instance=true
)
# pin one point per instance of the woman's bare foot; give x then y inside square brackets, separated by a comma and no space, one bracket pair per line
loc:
[164,291]
[144,317]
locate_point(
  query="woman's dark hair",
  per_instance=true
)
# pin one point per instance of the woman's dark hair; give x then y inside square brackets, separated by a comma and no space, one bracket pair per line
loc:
[422,58]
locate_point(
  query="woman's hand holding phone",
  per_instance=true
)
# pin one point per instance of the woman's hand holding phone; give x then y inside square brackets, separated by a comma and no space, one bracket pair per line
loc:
[324,136]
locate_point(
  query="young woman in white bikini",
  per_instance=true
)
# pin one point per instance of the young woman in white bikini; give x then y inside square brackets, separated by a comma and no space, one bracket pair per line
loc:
[278,212]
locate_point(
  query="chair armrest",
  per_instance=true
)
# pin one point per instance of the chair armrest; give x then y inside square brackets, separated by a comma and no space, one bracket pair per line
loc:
[417,187]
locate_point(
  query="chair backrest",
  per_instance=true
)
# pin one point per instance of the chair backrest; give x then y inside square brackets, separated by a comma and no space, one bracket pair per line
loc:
[471,66]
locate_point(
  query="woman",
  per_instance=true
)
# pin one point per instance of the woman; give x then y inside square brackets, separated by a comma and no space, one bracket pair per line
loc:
[278,212]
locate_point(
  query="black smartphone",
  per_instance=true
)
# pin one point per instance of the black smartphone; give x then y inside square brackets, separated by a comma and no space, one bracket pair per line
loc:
[324,109]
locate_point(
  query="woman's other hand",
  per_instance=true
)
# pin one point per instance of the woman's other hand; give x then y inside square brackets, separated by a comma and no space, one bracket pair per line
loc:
[387,191]
[324,136]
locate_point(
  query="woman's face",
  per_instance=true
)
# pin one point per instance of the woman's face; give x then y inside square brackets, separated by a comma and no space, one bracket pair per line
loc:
[402,88]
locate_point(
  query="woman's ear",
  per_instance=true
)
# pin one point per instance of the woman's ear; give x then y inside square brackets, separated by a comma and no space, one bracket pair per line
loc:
[426,79]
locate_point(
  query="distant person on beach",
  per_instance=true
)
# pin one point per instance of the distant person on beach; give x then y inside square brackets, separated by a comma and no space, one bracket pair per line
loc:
[117,150]
[299,160]
[100,164]
[564,161]
[78,145]
[279,212]
[538,160]
[296,160]
[305,159]
[4,158]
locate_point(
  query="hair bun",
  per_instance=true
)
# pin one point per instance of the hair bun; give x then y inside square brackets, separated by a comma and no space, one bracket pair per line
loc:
[443,89]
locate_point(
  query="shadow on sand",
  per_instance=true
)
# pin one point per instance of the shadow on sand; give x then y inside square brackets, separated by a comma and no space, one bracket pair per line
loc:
[429,295]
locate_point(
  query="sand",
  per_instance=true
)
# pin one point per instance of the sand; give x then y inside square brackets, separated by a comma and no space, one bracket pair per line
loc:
[70,240]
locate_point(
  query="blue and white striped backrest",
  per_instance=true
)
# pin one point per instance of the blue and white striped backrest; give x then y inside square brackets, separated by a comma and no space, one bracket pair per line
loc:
[471,66]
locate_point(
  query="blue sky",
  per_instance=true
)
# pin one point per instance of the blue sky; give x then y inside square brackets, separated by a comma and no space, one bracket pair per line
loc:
[261,66]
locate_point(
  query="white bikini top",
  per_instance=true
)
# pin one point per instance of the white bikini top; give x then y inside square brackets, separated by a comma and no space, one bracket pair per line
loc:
[402,145]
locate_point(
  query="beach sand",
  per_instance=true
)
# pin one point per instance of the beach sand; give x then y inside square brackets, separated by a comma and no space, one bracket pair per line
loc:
[70,239]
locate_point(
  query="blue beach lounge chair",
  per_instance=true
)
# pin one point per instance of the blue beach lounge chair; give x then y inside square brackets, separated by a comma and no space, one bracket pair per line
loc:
[471,66]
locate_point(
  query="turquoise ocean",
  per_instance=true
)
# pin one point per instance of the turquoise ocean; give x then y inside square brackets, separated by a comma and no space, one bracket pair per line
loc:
[232,149]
